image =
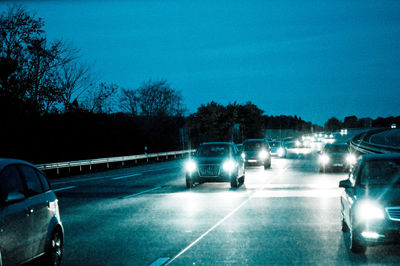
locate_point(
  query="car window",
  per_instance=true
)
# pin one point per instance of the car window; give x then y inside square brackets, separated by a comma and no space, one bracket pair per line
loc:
[43,180]
[214,150]
[33,183]
[380,172]
[336,149]
[254,145]
[10,181]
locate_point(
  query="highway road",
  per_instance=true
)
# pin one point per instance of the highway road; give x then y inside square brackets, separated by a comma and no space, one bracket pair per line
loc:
[289,214]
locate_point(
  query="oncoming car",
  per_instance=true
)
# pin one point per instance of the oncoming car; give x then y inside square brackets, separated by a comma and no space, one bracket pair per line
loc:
[257,152]
[30,225]
[215,162]
[370,202]
[336,156]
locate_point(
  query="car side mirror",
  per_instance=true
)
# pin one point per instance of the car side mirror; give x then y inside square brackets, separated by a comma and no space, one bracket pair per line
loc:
[345,183]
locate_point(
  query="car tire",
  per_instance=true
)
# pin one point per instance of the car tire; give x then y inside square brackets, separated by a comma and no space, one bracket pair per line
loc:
[54,253]
[189,182]
[267,165]
[355,245]
[241,180]
[234,182]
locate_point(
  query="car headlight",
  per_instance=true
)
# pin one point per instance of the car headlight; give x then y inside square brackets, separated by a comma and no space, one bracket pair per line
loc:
[324,159]
[229,165]
[351,159]
[191,166]
[369,211]
[263,154]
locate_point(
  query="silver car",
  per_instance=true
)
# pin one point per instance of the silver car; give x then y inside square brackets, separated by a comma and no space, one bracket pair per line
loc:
[30,225]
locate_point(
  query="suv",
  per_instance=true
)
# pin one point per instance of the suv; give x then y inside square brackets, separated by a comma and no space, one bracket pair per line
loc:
[215,162]
[257,152]
[371,201]
[30,225]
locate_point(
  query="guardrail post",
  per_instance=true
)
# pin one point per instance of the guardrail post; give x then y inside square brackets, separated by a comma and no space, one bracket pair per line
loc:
[58,171]
[80,167]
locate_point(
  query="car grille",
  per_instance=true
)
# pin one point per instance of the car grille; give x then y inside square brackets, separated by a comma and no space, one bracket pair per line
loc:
[393,213]
[209,170]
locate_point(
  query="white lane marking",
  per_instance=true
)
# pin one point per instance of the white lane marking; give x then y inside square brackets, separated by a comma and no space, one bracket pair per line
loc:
[63,188]
[209,230]
[223,219]
[140,193]
[159,262]
[125,176]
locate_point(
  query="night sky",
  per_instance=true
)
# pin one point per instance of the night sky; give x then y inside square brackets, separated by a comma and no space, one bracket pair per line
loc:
[314,59]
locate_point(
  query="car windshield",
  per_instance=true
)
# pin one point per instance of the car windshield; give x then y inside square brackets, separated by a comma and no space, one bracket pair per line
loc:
[336,149]
[274,144]
[381,172]
[217,150]
[254,145]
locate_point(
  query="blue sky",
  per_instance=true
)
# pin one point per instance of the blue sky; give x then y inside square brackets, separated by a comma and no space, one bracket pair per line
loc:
[313,59]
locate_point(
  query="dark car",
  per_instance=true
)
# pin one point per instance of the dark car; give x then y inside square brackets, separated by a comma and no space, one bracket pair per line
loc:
[278,149]
[370,203]
[257,152]
[30,225]
[336,156]
[215,162]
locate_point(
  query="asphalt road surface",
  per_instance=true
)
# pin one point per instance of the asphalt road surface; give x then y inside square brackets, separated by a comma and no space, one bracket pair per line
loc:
[289,214]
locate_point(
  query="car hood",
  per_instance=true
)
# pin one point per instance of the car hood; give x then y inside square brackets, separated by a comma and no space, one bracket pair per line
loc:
[388,196]
[211,160]
[337,154]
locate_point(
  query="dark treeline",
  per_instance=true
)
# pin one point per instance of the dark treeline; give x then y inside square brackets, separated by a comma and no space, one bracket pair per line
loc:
[353,122]
[235,122]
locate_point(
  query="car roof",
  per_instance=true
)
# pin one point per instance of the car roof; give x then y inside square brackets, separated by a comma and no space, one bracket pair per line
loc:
[7,161]
[337,144]
[258,140]
[216,142]
[386,156]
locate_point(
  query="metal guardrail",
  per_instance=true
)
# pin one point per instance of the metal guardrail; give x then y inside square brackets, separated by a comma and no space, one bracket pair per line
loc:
[361,143]
[122,159]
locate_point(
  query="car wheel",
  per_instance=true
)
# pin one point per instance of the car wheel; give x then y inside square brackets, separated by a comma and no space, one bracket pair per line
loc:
[234,182]
[55,251]
[355,245]
[189,182]
[241,180]
[267,165]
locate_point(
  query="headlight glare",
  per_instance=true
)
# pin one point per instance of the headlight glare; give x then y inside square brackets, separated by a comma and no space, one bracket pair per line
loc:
[369,211]
[351,159]
[229,166]
[263,154]
[281,152]
[324,159]
[191,166]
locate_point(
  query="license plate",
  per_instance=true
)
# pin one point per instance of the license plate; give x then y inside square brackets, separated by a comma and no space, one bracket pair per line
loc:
[338,165]
[252,161]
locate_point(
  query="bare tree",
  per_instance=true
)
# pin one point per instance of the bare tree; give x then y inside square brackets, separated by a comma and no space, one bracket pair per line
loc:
[102,99]
[129,101]
[158,98]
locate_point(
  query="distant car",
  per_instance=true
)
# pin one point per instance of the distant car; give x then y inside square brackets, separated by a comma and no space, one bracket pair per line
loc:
[278,148]
[257,152]
[370,202]
[336,156]
[30,224]
[215,162]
